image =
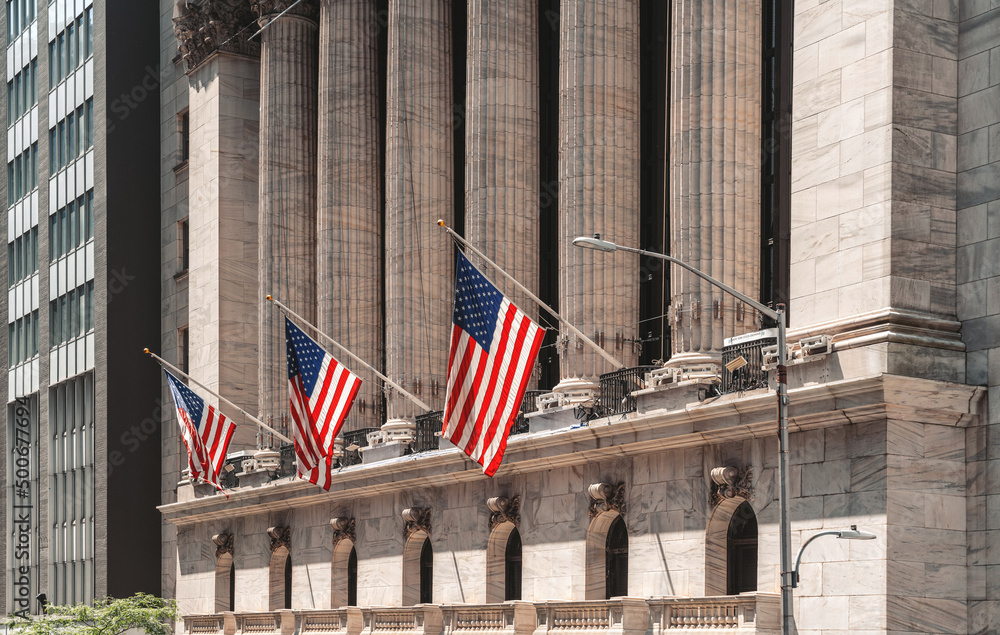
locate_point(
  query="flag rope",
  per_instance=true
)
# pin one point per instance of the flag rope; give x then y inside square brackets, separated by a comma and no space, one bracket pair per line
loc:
[165,364]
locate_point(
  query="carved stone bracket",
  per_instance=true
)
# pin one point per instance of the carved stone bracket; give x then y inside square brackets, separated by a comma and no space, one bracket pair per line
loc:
[280,537]
[504,510]
[605,497]
[343,528]
[730,482]
[417,519]
[211,26]
[306,8]
[223,545]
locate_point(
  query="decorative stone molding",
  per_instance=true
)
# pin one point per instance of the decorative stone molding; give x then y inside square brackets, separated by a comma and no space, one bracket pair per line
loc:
[606,497]
[730,482]
[223,545]
[306,8]
[209,26]
[417,519]
[280,537]
[504,510]
[343,528]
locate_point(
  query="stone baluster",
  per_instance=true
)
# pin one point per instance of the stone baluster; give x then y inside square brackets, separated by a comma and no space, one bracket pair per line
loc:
[714,172]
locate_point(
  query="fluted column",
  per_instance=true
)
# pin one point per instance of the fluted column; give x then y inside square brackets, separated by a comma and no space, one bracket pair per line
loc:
[598,183]
[714,171]
[287,225]
[349,227]
[419,261]
[501,131]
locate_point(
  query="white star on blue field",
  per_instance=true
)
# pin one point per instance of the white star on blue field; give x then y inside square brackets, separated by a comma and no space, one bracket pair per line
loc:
[185,399]
[304,356]
[477,303]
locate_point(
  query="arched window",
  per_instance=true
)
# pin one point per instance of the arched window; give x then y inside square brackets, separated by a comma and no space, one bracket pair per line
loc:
[280,579]
[616,560]
[225,583]
[352,578]
[741,551]
[512,567]
[426,573]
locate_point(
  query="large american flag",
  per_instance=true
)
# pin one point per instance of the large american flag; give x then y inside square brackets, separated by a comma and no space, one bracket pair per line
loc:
[321,391]
[205,430]
[493,350]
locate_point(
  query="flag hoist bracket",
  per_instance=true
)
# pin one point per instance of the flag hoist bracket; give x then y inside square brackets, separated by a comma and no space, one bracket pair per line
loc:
[392,384]
[165,364]
[603,353]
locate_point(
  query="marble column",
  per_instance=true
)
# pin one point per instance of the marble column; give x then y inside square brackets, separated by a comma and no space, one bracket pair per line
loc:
[501,149]
[349,230]
[715,108]
[223,104]
[598,185]
[419,256]
[287,225]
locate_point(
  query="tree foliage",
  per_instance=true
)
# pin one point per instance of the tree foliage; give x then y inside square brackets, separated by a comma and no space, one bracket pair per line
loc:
[107,616]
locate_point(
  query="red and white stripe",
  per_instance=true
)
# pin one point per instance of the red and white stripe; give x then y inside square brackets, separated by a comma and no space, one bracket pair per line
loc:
[485,389]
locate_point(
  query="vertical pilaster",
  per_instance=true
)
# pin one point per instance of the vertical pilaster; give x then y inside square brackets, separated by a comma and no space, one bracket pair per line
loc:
[349,230]
[501,130]
[598,183]
[419,265]
[287,225]
[714,172]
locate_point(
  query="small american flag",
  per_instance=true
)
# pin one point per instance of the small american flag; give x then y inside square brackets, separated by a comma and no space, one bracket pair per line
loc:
[321,391]
[493,350]
[205,430]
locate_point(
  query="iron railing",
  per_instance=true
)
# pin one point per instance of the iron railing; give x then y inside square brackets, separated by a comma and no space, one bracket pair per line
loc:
[617,388]
[288,465]
[358,439]
[231,467]
[528,405]
[427,425]
[748,373]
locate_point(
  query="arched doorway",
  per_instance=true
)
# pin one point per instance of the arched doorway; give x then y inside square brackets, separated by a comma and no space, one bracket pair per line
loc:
[225,583]
[607,557]
[616,560]
[280,579]
[418,569]
[512,567]
[741,551]
[503,563]
[344,575]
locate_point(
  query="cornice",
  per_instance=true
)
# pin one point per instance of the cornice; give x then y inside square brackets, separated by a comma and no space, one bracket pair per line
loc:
[211,26]
[843,402]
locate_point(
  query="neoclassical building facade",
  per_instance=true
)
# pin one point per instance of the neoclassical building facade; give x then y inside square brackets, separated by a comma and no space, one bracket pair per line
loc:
[837,158]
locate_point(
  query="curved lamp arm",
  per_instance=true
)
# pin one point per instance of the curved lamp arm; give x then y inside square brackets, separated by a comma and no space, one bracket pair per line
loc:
[852,534]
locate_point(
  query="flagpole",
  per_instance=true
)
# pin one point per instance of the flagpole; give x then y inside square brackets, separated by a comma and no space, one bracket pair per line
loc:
[180,372]
[350,354]
[573,329]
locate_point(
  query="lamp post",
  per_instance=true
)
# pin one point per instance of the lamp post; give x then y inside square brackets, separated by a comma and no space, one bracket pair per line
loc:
[847,534]
[785,534]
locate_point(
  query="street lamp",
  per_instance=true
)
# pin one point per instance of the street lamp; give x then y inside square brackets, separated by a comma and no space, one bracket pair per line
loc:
[785,533]
[848,534]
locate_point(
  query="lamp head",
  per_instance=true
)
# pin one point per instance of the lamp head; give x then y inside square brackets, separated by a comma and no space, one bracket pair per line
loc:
[594,243]
[854,534]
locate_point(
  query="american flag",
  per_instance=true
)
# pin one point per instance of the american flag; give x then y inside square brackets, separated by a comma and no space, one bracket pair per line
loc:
[493,350]
[321,391]
[205,430]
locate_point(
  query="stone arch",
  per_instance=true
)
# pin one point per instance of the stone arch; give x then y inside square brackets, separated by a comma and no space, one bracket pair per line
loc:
[496,561]
[280,579]
[225,583]
[344,576]
[717,544]
[597,544]
[413,567]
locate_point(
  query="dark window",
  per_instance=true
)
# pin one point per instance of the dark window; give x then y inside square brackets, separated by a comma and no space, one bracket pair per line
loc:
[352,578]
[426,573]
[288,582]
[185,130]
[616,563]
[232,587]
[512,567]
[183,357]
[741,548]
[183,251]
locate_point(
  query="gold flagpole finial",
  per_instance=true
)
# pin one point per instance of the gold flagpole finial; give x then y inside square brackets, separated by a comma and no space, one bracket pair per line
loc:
[440,223]
[146,351]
